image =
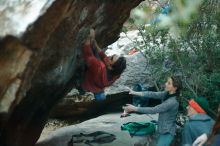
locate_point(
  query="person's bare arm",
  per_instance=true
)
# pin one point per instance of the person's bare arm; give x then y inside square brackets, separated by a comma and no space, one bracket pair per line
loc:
[132,92]
[136,93]
[148,94]
[102,55]
[98,49]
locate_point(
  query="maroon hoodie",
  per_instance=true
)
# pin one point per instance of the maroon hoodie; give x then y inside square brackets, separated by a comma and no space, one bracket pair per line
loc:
[96,74]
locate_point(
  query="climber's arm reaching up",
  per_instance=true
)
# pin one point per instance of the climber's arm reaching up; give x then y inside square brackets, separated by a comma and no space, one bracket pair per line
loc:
[89,57]
[102,55]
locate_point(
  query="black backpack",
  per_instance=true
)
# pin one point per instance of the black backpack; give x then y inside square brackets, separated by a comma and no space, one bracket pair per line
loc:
[98,137]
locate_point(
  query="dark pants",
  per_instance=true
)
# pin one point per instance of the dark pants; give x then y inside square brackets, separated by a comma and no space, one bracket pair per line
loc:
[100,96]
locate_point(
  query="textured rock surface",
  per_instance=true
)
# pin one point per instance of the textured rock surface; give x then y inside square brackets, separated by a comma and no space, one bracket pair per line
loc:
[54,66]
[68,107]
[13,60]
[127,41]
[110,123]
[12,12]
[137,70]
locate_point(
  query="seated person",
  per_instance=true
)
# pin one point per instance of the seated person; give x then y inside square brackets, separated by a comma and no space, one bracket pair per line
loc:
[199,122]
[100,73]
[167,110]
[214,138]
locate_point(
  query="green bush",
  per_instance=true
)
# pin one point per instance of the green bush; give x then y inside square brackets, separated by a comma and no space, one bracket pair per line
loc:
[192,51]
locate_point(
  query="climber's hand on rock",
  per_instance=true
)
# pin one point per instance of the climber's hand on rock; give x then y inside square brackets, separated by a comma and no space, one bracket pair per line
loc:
[130,91]
[130,108]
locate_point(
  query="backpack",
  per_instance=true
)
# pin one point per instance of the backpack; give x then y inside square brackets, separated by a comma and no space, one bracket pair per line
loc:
[98,137]
[139,128]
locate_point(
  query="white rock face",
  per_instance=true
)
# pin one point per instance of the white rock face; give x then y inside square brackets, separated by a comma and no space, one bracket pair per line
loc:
[136,72]
[137,67]
[16,15]
[126,42]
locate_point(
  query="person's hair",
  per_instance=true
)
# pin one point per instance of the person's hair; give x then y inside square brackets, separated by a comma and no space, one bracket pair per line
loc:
[117,68]
[177,83]
[215,129]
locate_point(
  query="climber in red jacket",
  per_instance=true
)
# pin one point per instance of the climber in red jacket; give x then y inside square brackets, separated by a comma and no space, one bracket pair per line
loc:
[102,72]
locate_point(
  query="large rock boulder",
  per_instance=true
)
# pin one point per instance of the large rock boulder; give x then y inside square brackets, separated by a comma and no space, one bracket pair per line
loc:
[137,69]
[136,72]
[84,106]
[51,62]
[110,123]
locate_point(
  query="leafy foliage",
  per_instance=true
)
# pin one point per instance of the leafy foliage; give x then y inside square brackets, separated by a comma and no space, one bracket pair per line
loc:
[185,42]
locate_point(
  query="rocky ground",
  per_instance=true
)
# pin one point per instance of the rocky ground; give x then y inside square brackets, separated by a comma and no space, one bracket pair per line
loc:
[54,124]
[58,132]
[110,123]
